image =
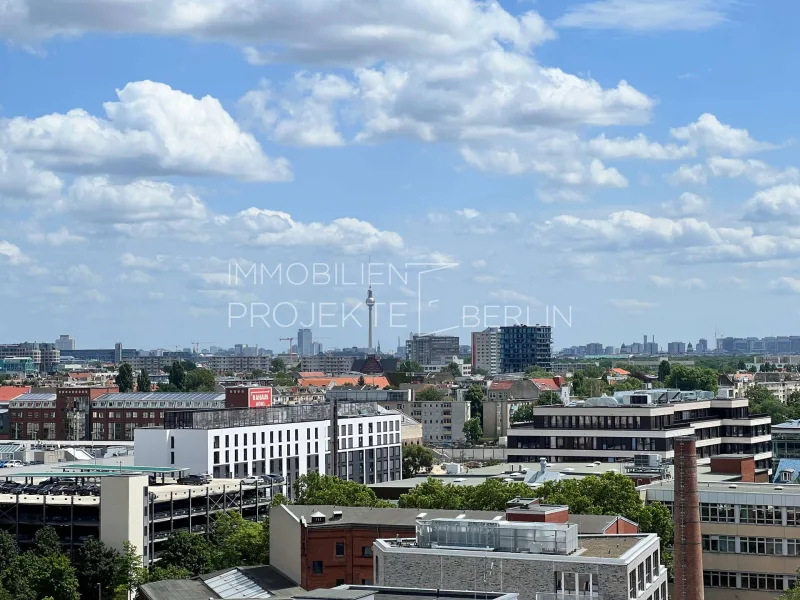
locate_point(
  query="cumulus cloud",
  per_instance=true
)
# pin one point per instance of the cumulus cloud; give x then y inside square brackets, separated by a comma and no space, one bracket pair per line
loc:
[778,203]
[152,130]
[709,133]
[60,237]
[695,175]
[11,254]
[646,15]
[756,171]
[638,147]
[789,285]
[21,180]
[687,205]
[632,304]
[692,283]
[345,32]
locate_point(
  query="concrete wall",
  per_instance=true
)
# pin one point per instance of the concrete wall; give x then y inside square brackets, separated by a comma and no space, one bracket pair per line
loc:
[124,501]
[285,535]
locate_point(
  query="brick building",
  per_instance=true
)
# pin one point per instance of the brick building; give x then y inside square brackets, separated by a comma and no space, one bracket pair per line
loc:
[104,414]
[325,546]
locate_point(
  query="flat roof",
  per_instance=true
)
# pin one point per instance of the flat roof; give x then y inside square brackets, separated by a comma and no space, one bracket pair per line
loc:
[605,546]
[784,489]
[126,468]
[359,515]
[400,593]
[57,475]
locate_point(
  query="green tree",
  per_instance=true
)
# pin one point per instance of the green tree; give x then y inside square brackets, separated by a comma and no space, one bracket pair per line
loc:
[792,593]
[96,563]
[692,378]
[492,494]
[258,373]
[523,413]
[160,573]
[236,541]
[33,576]
[474,395]
[548,398]
[143,381]
[416,458]
[361,381]
[314,488]
[453,369]
[741,366]
[472,430]
[664,369]
[762,401]
[793,398]
[480,371]
[167,387]
[129,572]
[124,378]
[188,551]
[8,548]
[199,380]
[656,518]
[409,366]
[277,365]
[537,372]
[429,394]
[46,542]
[177,374]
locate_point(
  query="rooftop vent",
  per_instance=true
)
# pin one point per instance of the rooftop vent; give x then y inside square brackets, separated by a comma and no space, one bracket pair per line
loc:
[733,486]
[778,488]
[337,514]
[317,517]
[461,516]
[421,515]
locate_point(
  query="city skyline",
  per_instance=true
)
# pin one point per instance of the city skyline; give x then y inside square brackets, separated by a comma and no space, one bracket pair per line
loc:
[638,183]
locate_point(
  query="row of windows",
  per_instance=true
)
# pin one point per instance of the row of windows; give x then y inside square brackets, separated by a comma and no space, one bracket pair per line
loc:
[387,427]
[749,515]
[751,545]
[644,574]
[751,581]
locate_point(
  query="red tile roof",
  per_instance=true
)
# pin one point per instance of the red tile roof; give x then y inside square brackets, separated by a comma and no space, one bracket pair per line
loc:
[9,392]
[377,380]
[618,371]
[311,374]
[501,385]
[546,384]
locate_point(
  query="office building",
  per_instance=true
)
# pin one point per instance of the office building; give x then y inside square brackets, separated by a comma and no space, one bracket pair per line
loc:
[538,561]
[118,353]
[604,429]
[432,349]
[304,342]
[45,357]
[17,366]
[676,348]
[486,350]
[785,443]
[316,348]
[750,534]
[288,440]
[65,343]
[525,346]
[442,421]
[594,348]
[330,364]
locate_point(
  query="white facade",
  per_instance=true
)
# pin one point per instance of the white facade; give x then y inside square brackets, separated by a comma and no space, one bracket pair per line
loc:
[442,422]
[65,343]
[464,368]
[330,364]
[369,448]
[486,350]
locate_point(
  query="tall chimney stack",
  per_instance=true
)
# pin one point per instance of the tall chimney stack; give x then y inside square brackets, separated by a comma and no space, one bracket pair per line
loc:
[688,550]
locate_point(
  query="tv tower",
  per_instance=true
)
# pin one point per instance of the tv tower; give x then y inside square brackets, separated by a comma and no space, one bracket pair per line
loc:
[370,304]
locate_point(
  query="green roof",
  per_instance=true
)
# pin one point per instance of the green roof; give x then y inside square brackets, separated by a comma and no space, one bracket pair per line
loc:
[124,469]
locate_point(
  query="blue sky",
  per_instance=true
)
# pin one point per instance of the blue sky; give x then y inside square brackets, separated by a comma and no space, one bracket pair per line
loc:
[633,161]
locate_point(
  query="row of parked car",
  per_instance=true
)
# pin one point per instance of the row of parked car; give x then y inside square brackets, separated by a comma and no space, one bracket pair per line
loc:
[270,480]
[59,487]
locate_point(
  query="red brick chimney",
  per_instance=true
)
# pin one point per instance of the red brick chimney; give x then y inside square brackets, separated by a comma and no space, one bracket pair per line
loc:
[688,550]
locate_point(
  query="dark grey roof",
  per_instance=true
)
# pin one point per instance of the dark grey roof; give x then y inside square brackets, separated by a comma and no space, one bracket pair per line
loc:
[265,576]
[382,516]
[592,524]
[335,594]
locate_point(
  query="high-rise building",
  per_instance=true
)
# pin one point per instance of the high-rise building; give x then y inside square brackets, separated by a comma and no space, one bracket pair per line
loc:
[432,349]
[370,304]
[65,343]
[676,348]
[486,350]
[304,342]
[118,353]
[524,346]
[594,348]
[316,348]
[702,346]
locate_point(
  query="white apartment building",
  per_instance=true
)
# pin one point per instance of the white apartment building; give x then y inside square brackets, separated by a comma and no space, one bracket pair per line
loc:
[464,367]
[330,364]
[286,440]
[486,350]
[538,561]
[735,385]
[780,384]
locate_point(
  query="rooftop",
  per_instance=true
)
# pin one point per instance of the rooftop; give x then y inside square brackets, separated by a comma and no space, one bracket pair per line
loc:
[397,593]
[369,517]
[787,425]
[242,582]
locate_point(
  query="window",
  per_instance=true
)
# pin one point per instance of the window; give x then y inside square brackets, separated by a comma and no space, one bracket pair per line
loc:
[723,579]
[366,582]
[640,577]
[632,584]
[649,569]
[719,543]
[339,549]
[316,567]
[717,513]
[216,441]
[366,551]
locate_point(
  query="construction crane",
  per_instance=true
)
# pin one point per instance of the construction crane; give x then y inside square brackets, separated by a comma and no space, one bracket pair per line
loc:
[196,346]
[290,340]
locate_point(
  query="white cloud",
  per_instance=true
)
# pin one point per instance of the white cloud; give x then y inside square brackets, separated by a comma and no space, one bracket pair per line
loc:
[786,284]
[513,296]
[95,296]
[98,199]
[151,130]
[468,213]
[479,263]
[11,254]
[638,147]
[662,282]
[778,203]
[82,274]
[689,174]
[21,180]
[756,171]
[646,15]
[631,304]
[136,276]
[560,195]
[687,205]
[345,32]
[261,227]
[60,237]
[693,283]
[708,133]
[736,281]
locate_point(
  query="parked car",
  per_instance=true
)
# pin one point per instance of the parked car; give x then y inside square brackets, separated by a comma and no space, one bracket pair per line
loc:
[274,478]
[193,480]
[251,480]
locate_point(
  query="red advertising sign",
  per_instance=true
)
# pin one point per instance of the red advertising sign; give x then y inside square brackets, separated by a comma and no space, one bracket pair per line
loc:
[260,397]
